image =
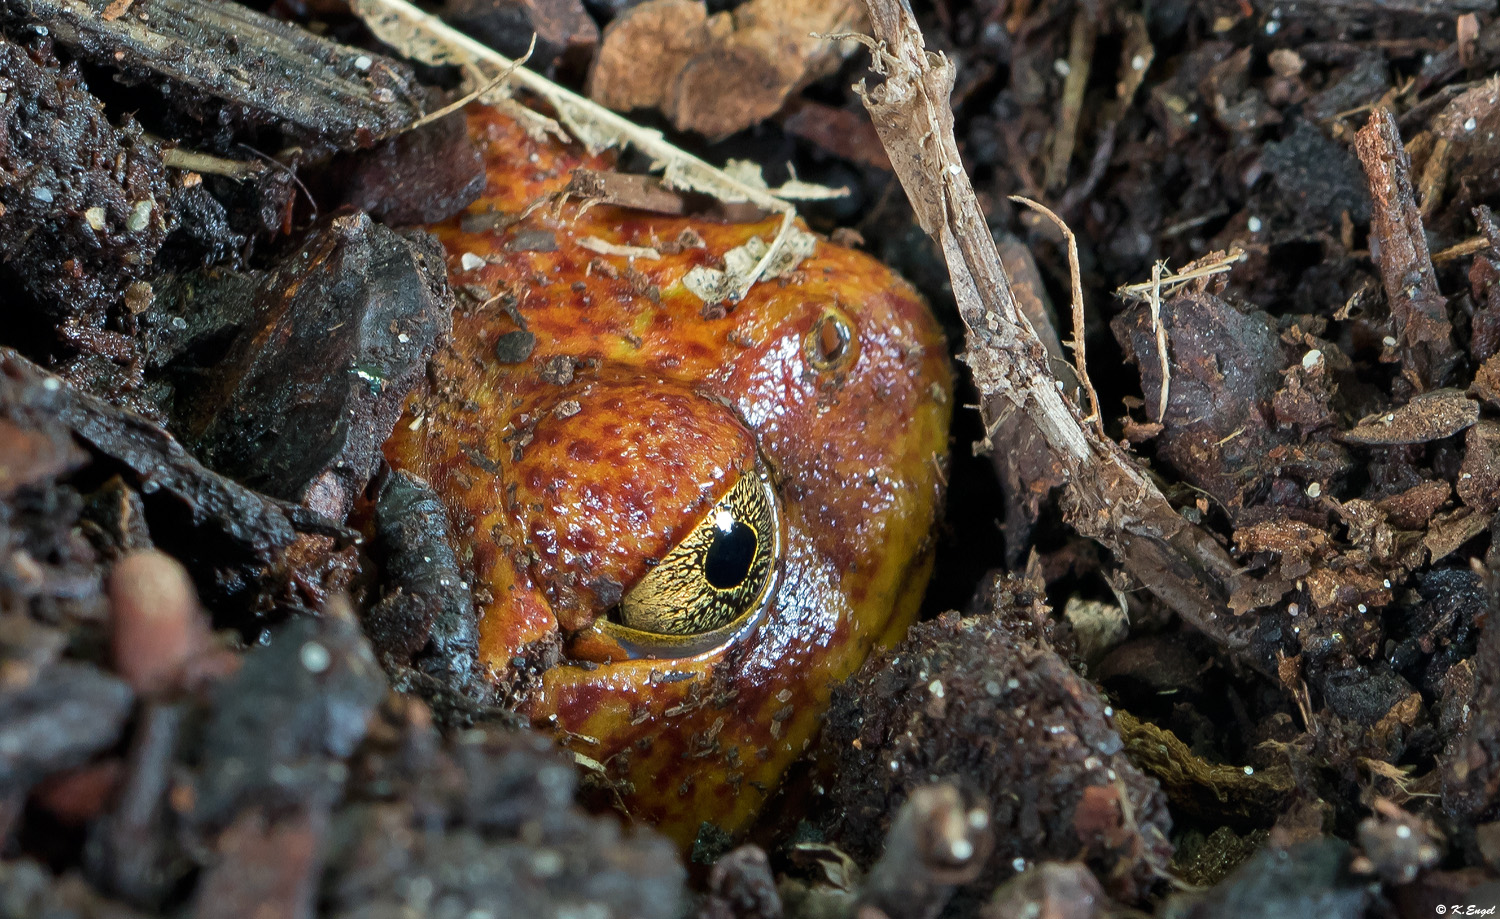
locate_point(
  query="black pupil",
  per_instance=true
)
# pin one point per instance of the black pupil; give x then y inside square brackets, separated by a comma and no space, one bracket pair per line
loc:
[729,556]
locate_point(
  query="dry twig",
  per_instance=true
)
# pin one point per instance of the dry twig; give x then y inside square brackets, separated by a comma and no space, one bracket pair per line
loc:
[1169,284]
[478,92]
[1080,59]
[1161,343]
[1419,313]
[1471,246]
[1107,497]
[207,163]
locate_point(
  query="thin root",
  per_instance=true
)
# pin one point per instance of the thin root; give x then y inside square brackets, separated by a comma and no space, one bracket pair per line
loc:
[1076,277]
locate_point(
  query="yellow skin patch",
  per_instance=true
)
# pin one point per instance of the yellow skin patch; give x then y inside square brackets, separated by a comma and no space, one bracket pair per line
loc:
[590,414]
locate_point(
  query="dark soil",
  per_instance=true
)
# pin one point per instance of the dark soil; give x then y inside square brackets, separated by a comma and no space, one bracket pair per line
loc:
[1324,403]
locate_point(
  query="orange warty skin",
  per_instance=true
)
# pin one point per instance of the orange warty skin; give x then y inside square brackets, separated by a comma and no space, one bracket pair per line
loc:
[570,470]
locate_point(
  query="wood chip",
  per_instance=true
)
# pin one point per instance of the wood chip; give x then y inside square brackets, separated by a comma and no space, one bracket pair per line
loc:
[621,189]
[1413,508]
[1419,313]
[670,32]
[1479,475]
[1451,531]
[1427,417]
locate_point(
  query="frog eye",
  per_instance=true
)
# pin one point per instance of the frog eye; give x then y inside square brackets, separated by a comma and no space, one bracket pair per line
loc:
[715,581]
[830,343]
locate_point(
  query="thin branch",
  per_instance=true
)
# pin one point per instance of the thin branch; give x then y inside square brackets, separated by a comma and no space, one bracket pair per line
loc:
[1080,60]
[208,164]
[468,97]
[1471,246]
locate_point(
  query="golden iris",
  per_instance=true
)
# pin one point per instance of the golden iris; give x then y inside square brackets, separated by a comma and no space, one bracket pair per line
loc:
[712,582]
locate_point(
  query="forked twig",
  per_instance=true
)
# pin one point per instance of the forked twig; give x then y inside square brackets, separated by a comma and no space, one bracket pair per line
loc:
[1171,283]
[475,94]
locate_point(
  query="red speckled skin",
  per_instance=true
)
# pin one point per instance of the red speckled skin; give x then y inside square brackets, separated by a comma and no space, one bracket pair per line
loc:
[563,485]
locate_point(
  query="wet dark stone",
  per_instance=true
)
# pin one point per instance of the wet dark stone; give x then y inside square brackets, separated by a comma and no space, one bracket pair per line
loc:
[425,617]
[1310,879]
[281,726]
[305,395]
[421,176]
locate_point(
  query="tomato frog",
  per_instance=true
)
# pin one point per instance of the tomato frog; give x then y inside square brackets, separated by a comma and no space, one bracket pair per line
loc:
[683,519]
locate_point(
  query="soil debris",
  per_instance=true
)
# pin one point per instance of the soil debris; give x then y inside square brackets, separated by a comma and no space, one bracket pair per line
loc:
[84,206]
[988,701]
[1254,648]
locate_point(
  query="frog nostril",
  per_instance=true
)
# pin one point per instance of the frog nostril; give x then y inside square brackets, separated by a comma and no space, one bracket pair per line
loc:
[830,342]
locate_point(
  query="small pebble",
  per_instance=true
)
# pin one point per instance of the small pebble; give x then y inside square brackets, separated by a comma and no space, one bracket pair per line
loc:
[314,657]
[514,347]
[156,624]
[140,216]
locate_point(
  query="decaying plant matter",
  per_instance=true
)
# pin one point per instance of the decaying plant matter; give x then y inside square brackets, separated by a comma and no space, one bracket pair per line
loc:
[1250,646]
[1105,495]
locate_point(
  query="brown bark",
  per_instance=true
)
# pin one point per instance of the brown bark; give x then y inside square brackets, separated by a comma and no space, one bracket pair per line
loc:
[274,70]
[1419,313]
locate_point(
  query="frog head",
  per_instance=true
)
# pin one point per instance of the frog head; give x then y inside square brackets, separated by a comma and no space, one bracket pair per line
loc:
[685,519]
